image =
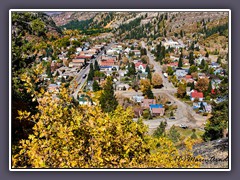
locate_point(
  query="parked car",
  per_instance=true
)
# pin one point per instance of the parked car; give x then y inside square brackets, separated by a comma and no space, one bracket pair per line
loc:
[84,76]
[172,117]
[183,126]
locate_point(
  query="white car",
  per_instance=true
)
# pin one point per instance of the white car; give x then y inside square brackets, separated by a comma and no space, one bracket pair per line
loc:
[183,126]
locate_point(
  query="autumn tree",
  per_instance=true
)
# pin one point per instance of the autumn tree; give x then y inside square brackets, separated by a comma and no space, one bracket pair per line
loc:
[145,59]
[107,99]
[202,84]
[125,60]
[156,80]
[68,135]
[181,91]
[145,85]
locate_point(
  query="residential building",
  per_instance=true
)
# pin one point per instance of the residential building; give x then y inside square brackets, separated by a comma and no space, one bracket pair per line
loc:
[145,104]
[157,109]
[137,98]
[196,95]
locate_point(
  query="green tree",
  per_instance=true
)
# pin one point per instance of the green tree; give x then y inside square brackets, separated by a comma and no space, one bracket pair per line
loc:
[202,64]
[170,71]
[193,136]
[193,69]
[131,69]
[149,93]
[191,58]
[218,123]
[180,63]
[160,131]
[91,73]
[149,73]
[173,134]
[49,73]
[107,99]
[96,86]
[96,66]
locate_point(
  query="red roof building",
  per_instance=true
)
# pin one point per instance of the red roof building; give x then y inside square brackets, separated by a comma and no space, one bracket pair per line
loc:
[195,94]
[109,62]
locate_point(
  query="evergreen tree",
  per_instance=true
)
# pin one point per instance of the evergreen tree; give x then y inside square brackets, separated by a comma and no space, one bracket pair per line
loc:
[209,87]
[63,80]
[192,86]
[174,135]
[202,64]
[180,63]
[207,55]
[149,93]
[149,73]
[131,69]
[219,60]
[96,66]
[91,73]
[49,73]
[108,101]
[96,86]
[160,131]
[193,136]
[218,123]
[191,58]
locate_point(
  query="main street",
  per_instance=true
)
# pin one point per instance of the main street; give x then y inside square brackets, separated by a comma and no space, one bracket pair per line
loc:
[79,78]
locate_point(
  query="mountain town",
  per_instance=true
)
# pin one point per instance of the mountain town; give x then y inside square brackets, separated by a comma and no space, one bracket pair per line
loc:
[120,89]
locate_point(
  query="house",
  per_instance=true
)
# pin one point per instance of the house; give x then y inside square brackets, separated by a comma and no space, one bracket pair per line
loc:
[122,87]
[77,63]
[180,73]
[108,62]
[202,75]
[204,105]
[145,104]
[196,95]
[157,109]
[189,79]
[136,52]
[173,64]
[137,98]
[215,65]
[53,88]
[139,66]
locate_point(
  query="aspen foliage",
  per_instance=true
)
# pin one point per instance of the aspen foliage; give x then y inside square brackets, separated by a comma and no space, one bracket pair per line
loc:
[68,135]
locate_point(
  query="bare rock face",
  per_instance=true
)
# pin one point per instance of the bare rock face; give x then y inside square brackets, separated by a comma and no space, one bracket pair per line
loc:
[215,153]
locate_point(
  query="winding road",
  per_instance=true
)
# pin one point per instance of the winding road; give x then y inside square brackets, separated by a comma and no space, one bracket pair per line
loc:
[184,113]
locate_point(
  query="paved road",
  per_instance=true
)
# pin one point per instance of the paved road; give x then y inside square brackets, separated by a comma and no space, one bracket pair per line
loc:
[79,77]
[184,113]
